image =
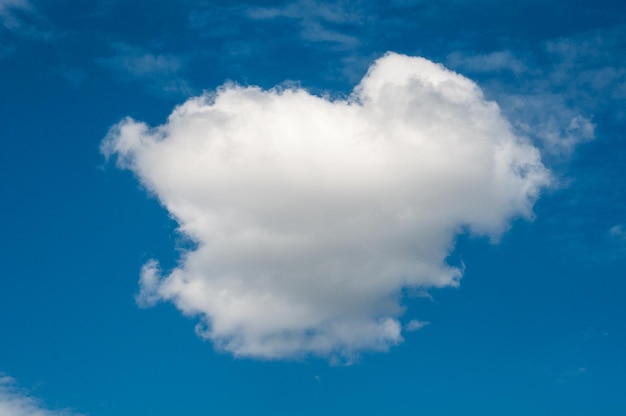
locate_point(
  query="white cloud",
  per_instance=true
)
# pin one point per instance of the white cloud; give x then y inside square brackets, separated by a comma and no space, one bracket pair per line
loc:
[17,402]
[312,214]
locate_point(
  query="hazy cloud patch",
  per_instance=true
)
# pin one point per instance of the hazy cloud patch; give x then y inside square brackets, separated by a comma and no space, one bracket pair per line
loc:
[540,108]
[10,11]
[497,61]
[21,19]
[559,86]
[415,324]
[319,22]
[160,72]
[618,232]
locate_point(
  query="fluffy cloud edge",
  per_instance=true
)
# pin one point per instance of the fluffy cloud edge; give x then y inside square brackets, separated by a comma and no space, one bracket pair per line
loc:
[16,401]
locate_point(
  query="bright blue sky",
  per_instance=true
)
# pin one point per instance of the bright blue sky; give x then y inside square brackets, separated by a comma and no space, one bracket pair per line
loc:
[536,325]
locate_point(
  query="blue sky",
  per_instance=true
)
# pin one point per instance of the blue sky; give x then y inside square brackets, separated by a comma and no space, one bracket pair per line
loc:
[410,247]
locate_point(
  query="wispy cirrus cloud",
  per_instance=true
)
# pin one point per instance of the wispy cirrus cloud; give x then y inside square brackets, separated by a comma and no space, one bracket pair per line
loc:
[10,11]
[160,72]
[591,66]
[311,215]
[19,19]
[22,18]
[541,110]
[559,86]
[497,61]
[318,21]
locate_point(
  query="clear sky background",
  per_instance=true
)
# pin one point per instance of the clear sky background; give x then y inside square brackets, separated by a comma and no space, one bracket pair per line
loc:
[537,324]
